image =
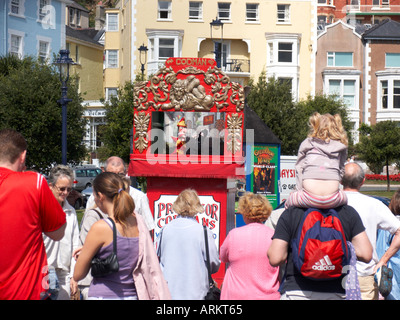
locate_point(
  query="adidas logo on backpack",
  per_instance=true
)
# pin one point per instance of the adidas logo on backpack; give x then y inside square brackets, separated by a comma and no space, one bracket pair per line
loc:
[324,264]
[320,250]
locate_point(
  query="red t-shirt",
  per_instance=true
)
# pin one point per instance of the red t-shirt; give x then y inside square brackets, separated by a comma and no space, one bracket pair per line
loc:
[27,208]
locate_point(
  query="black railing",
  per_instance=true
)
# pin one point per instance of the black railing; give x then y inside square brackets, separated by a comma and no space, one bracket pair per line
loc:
[236,65]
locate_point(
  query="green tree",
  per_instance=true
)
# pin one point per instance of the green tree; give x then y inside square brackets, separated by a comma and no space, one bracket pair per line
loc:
[272,101]
[379,145]
[327,104]
[288,120]
[119,117]
[29,91]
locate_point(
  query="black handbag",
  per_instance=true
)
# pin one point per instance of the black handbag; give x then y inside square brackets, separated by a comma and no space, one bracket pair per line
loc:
[106,266]
[214,293]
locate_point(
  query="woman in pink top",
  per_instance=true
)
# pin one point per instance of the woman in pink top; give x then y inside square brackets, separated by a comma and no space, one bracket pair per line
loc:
[249,275]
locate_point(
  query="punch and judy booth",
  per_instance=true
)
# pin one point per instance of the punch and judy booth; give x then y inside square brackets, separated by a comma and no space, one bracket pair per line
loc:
[188,133]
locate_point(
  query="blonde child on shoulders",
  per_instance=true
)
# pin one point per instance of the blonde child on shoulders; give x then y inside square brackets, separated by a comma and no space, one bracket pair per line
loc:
[320,164]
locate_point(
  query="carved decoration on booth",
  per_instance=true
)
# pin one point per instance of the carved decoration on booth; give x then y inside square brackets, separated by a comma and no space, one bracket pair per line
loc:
[141,123]
[234,138]
[182,90]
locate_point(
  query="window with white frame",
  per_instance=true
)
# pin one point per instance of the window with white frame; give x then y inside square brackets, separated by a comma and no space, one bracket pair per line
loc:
[285,52]
[396,94]
[224,11]
[282,61]
[16,43]
[389,92]
[163,44]
[283,13]
[325,2]
[43,11]
[111,58]
[77,55]
[164,10]
[280,52]
[287,81]
[252,12]
[270,53]
[165,48]
[340,59]
[111,92]
[345,87]
[392,60]
[381,3]
[112,21]
[78,17]
[44,50]
[17,7]
[195,10]
[355,4]
[224,49]
[71,16]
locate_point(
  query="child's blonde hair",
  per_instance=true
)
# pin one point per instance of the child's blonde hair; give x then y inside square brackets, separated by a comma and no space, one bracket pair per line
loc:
[327,127]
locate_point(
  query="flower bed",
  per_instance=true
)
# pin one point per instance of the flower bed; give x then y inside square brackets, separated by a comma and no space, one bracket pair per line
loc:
[382,177]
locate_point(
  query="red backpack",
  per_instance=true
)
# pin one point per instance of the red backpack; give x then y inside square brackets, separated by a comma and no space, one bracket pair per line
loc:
[320,250]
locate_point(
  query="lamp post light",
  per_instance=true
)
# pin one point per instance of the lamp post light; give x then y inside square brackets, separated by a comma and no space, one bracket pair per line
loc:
[63,62]
[143,57]
[216,25]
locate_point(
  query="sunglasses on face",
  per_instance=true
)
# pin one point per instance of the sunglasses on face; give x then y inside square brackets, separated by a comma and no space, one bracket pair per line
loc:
[63,189]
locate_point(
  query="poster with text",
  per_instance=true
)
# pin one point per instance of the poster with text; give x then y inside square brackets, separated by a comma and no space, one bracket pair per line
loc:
[163,214]
[264,172]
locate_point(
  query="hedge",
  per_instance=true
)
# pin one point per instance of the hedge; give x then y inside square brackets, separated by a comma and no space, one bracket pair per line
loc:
[381,177]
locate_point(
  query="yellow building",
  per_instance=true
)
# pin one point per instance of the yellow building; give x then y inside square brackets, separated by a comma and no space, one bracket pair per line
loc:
[86,50]
[278,37]
[87,53]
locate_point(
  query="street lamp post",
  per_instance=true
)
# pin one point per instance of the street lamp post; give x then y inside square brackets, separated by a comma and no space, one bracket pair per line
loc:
[63,62]
[143,52]
[216,25]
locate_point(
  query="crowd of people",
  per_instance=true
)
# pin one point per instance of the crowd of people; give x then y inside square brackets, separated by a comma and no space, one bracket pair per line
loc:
[112,254]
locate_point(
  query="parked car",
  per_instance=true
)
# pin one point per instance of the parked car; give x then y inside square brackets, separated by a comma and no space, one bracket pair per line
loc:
[75,199]
[86,193]
[84,176]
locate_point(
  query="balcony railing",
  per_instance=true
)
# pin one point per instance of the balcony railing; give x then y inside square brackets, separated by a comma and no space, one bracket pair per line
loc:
[236,65]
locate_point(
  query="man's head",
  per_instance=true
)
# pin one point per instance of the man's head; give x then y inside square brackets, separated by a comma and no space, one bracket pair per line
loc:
[12,149]
[116,165]
[353,177]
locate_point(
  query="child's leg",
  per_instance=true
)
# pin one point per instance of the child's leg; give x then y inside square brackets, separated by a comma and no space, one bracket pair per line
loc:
[304,199]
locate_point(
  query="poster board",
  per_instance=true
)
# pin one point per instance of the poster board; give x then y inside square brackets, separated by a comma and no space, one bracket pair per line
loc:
[262,171]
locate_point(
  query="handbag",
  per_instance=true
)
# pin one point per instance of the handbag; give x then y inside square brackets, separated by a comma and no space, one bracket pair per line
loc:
[214,293]
[103,267]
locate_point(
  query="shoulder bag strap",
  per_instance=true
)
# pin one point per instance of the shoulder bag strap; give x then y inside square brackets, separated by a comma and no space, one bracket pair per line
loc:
[207,255]
[114,235]
[97,211]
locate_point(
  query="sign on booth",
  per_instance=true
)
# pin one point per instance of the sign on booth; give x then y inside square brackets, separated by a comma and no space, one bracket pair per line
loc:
[163,214]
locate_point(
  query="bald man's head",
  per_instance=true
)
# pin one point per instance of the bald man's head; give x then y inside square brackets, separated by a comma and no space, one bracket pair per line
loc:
[116,165]
[353,177]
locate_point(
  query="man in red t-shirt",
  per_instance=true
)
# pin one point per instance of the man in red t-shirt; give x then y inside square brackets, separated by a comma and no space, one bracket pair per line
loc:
[27,208]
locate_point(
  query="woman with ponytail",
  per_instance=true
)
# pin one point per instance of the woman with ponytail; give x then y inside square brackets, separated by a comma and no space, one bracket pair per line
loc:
[139,275]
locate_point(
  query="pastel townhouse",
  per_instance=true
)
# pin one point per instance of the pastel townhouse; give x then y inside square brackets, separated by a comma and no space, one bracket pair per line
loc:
[32,27]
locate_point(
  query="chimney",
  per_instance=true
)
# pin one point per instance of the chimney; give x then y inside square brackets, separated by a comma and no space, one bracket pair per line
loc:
[100,18]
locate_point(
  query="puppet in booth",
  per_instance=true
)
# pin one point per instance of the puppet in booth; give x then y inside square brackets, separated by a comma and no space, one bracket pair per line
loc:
[180,141]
